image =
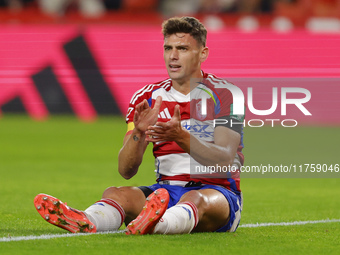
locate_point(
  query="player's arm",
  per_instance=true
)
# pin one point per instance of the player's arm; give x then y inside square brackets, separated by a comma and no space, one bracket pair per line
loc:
[131,154]
[221,152]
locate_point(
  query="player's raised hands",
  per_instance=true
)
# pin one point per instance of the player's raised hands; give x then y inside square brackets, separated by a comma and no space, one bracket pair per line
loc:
[166,131]
[145,115]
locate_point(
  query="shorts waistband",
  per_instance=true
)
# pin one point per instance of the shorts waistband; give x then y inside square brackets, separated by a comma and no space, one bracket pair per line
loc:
[181,183]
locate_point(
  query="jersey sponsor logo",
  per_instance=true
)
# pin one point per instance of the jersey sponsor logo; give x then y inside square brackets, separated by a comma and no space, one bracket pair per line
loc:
[199,130]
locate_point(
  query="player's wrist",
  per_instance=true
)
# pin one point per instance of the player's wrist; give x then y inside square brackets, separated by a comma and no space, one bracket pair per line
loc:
[139,128]
[138,134]
[183,140]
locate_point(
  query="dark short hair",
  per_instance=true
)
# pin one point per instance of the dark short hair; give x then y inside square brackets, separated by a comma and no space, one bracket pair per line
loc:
[188,25]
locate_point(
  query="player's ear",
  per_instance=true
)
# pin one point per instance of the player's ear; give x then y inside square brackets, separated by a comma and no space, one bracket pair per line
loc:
[204,54]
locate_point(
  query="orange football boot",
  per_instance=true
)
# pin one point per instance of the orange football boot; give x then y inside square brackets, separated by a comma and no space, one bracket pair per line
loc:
[154,208]
[59,214]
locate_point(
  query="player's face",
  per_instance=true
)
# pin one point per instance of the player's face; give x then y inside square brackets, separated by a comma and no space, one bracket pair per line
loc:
[183,57]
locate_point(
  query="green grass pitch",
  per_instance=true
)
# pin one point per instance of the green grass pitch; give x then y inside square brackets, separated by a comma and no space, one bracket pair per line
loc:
[76,161]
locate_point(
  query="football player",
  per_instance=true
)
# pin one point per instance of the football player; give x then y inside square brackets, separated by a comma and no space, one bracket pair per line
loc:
[177,116]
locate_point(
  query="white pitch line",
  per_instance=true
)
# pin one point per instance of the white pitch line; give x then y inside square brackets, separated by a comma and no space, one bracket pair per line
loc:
[268,224]
[45,237]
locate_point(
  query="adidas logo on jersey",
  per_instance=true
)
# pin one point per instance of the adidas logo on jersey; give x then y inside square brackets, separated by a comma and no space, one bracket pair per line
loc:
[165,114]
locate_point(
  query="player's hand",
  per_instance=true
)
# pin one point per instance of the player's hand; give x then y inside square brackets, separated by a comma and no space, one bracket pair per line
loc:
[145,115]
[166,131]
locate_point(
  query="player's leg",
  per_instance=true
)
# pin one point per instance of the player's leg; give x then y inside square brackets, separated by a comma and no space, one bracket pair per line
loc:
[58,213]
[180,218]
[155,206]
[204,210]
[116,205]
[131,199]
[212,206]
[207,210]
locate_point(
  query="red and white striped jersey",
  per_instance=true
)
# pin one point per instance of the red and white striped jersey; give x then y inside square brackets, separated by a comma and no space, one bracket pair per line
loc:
[172,163]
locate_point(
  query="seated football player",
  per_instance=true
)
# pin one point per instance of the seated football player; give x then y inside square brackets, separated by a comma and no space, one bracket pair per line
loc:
[178,117]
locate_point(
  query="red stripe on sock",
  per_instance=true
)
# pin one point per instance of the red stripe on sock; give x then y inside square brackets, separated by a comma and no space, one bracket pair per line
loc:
[115,205]
[194,209]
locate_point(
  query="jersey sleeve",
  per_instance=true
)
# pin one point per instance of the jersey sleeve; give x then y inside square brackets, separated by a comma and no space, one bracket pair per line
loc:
[137,98]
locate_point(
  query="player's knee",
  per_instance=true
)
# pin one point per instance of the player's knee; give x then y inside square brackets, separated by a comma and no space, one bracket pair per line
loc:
[111,192]
[195,197]
[123,194]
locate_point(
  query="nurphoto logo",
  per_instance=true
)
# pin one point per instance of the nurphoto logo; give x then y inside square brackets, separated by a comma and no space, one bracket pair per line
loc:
[302,96]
